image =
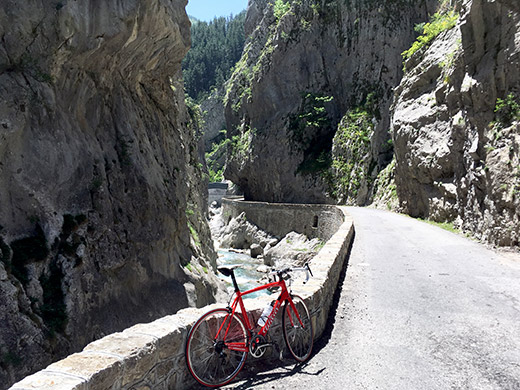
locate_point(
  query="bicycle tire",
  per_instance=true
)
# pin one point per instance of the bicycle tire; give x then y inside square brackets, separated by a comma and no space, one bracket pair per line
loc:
[216,348]
[298,338]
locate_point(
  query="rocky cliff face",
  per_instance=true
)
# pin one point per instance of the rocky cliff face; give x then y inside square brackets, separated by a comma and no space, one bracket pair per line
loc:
[214,119]
[456,145]
[319,109]
[102,221]
[309,66]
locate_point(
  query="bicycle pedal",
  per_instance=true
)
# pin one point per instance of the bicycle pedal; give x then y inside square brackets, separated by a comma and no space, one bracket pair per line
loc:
[264,345]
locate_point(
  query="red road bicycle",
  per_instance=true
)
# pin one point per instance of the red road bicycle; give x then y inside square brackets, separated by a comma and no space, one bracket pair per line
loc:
[218,343]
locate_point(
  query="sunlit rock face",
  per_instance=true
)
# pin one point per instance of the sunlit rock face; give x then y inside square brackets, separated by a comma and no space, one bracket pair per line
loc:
[319,109]
[303,69]
[457,151]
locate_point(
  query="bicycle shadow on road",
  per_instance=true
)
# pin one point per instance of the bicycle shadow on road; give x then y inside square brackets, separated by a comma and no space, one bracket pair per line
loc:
[264,373]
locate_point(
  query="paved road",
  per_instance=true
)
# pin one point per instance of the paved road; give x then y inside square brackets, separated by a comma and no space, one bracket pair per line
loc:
[420,308]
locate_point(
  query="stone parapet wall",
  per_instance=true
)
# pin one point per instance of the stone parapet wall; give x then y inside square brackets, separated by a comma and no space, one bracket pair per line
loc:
[151,356]
[216,191]
[312,220]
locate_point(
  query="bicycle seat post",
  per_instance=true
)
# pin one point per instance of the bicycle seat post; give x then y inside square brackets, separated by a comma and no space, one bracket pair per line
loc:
[229,272]
[235,284]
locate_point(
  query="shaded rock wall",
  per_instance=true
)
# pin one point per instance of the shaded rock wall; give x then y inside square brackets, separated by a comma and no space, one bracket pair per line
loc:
[456,158]
[100,182]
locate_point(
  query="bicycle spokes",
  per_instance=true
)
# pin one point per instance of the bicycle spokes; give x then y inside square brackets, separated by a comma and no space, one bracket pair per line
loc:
[297,329]
[216,348]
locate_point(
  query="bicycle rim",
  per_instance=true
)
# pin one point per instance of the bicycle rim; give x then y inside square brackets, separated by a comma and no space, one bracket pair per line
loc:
[298,333]
[216,348]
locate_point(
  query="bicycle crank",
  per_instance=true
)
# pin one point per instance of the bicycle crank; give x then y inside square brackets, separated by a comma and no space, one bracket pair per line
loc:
[258,346]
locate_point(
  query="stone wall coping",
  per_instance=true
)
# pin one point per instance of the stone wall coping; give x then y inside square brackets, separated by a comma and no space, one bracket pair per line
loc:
[151,355]
[218,185]
[317,206]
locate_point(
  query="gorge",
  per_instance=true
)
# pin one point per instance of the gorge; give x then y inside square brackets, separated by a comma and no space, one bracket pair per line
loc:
[437,139]
[103,189]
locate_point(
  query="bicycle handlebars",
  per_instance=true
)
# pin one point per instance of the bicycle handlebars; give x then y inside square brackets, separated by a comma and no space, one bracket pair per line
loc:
[285,271]
[281,273]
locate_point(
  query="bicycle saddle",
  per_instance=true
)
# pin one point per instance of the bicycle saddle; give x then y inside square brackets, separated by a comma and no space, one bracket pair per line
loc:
[227,271]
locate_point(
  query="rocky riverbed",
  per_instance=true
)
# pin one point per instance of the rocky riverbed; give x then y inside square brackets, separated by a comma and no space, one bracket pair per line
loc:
[266,249]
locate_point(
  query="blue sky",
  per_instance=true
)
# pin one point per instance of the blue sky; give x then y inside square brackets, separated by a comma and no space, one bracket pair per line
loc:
[207,9]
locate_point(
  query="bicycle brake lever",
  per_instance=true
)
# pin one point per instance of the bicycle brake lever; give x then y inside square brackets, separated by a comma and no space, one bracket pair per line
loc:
[309,269]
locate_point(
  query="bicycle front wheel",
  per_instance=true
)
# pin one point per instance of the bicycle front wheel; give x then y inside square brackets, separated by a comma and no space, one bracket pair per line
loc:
[297,329]
[216,348]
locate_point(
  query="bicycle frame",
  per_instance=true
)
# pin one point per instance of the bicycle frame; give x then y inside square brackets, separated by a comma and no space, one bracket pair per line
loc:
[215,356]
[284,296]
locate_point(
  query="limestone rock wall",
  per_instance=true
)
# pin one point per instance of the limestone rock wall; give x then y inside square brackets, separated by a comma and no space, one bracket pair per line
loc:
[306,64]
[214,120]
[100,182]
[319,110]
[457,159]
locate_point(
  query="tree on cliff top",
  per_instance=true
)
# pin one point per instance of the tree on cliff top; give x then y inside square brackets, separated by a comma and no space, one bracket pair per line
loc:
[216,47]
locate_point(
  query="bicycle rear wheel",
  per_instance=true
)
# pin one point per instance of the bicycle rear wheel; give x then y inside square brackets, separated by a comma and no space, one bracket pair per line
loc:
[216,348]
[297,329]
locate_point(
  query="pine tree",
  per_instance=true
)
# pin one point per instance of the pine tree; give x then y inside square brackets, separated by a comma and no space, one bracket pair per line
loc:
[216,47]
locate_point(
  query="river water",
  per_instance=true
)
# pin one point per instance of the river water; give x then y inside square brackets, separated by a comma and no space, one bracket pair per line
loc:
[247,275]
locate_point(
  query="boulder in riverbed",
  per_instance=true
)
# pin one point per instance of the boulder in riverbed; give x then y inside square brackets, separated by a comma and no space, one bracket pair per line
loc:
[241,234]
[256,250]
[294,249]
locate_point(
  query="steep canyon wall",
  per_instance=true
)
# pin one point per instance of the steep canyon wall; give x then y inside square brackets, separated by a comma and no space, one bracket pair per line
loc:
[321,108]
[457,155]
[100,182]
[307,65]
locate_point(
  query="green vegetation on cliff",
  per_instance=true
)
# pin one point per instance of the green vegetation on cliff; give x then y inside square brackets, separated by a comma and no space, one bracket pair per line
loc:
[215,158]
[439,22]
[385,190]
[240,144]
[216,47]
[507,110]
[281,8]
[312,132]
[353,140]
[352,162]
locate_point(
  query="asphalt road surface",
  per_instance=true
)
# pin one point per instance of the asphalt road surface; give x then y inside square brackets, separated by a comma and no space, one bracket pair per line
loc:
[418,308]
